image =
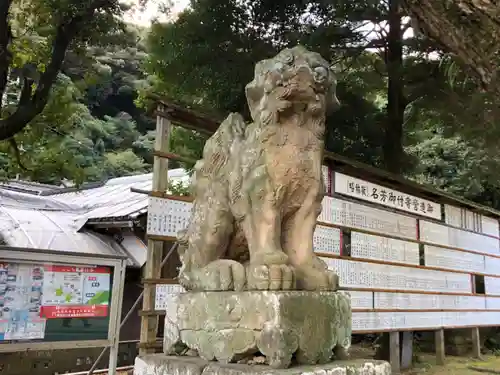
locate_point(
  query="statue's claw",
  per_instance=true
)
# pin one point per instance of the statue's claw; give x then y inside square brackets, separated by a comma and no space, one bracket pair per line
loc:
[270,277]
[315,275]
[220,275]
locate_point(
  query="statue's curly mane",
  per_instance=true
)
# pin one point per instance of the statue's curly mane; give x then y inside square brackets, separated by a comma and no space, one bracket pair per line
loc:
[280,81]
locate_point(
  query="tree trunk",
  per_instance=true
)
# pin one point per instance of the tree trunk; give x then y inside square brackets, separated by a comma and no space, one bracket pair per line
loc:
[393,142]
[470,29]
[5,37]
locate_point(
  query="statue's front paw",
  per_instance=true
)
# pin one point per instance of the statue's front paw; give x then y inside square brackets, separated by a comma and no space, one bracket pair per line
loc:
[270,277]
[221,275]
[312,278]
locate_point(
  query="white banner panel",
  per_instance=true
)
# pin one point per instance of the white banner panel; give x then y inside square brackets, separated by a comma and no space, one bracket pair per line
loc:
[327,179]
[440,234]
[492,285]
[326,240]
[489,226]
[356,274]
[361,300]
[453,259]
[491,265]
[380,321]
[492,303]
[369,246]
[453,215]
[357,215]
[413,301]
[367,191]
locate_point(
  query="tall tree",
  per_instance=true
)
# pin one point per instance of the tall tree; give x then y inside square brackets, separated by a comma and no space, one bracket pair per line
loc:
[35,36]
[207,56]
[396,101]
[65,142]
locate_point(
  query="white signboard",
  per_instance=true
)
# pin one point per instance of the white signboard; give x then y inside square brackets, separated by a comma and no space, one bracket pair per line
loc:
[166,217]
[367,191]
[393,321]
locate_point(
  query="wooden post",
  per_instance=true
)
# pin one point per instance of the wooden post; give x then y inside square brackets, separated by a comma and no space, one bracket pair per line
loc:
[152,268]
[394,352]
[476,343]
[406,350]
[440,347]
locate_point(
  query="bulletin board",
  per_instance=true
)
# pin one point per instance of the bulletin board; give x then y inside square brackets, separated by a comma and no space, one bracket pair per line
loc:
[51,300]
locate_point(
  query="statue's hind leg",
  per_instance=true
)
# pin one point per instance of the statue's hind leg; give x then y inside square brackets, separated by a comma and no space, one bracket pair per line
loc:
[206,242]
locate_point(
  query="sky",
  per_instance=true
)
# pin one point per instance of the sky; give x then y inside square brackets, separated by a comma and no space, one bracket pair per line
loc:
[152,10]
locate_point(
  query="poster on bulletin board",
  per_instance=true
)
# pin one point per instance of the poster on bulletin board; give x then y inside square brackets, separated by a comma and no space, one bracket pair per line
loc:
[33,294]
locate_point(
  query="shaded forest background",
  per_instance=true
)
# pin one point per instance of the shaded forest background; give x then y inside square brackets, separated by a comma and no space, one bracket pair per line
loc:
[407,105]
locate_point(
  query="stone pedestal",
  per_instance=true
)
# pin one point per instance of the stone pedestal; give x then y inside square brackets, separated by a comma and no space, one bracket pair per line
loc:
[231,326]
[160,364]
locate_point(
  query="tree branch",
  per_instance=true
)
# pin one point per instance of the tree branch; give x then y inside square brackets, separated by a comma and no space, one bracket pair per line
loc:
[5,38]
[66,32]
[26,91]
[17,154]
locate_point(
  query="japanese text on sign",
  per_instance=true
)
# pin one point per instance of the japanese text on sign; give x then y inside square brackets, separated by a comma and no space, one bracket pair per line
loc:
[357,188]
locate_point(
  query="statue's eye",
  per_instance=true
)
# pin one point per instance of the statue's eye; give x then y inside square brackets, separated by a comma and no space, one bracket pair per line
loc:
[288,58]
[320,74]
[278,67]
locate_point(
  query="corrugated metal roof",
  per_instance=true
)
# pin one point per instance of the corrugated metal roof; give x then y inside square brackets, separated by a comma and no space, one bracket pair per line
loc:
[115,199]
[25,226]
[56,221]
[30,187]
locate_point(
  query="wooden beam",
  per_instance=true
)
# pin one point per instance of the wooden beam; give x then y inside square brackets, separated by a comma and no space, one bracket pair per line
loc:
[150,346]
[406,350]
[172,156]
[476,343]
[160,281]
[152,268]
[152,313]
[394,352]
[440,347]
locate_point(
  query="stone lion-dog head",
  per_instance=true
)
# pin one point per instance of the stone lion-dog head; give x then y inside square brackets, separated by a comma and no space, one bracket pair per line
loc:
[295,80]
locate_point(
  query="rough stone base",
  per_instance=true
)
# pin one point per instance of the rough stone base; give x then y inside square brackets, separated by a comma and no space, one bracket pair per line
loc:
[229,326]
[160,364]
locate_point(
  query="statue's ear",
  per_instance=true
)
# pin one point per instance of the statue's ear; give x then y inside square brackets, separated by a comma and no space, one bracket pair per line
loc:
[254,95]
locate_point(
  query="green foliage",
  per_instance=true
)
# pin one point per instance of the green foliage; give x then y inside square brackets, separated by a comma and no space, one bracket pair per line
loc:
[94,125]
[206,57]
[35,36]
[179,189]
[67,142]
[454,165]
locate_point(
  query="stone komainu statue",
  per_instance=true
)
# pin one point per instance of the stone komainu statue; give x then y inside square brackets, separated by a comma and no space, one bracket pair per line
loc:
[258,189]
